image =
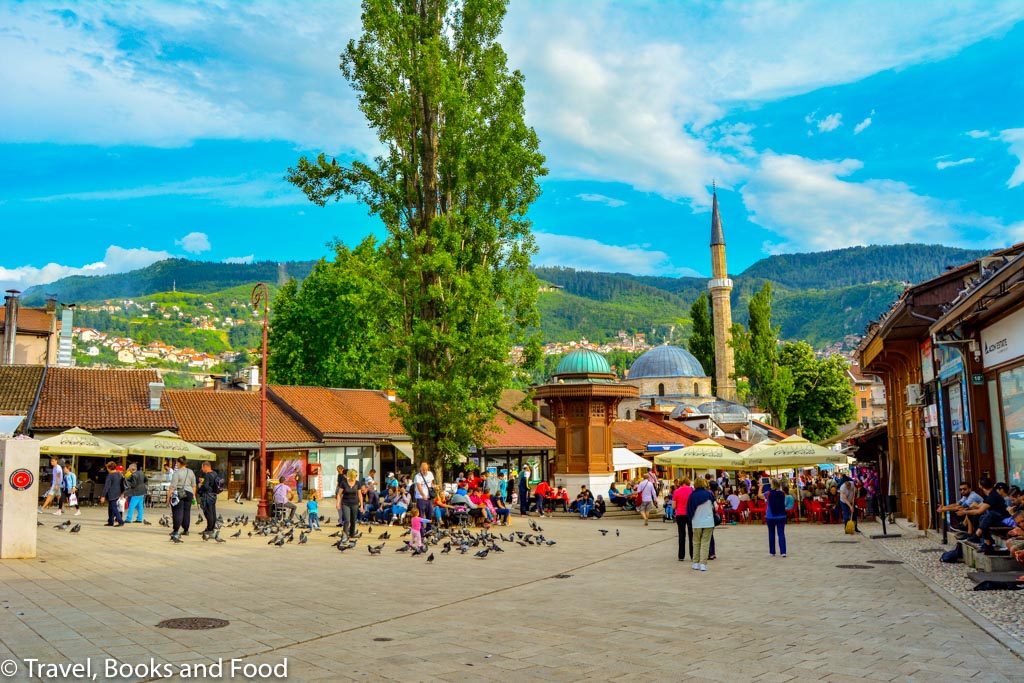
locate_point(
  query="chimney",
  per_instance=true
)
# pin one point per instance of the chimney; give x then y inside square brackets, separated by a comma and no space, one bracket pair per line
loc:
[10,327]
[391,395]
[156,390]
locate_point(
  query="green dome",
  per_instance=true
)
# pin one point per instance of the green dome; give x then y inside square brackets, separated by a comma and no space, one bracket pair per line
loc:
[583,362]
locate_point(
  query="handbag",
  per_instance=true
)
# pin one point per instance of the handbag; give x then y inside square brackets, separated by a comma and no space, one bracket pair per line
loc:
[73,500]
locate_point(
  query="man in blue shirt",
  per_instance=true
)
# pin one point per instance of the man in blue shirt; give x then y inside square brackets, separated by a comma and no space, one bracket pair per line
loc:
[968,500]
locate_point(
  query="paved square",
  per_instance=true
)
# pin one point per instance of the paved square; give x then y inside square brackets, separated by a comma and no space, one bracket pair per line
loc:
[627,611]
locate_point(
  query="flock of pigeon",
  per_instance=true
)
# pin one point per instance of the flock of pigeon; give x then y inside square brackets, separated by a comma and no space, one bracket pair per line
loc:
[279,533]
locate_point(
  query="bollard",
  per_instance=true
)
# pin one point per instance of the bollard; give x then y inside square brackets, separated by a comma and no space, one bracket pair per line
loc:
[19,497]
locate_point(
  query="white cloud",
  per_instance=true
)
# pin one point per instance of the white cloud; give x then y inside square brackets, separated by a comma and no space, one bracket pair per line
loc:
[116,260]
[194,242]
[587,254]
[943,165]
[601,199]
[830,123]
[242,190]
[1014,137]
[240,259]
[978,134]
[813,206]
[859,128]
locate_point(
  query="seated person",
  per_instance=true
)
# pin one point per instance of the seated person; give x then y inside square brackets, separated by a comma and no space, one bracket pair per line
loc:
[733,500]
[584,502]
[541,494]
[967,500]
[441,507]
[789,501]
[667,507]
[481,499]
[282,497]
[561,497]
[371,503]
[400,507]
[500,509]
[460,502]
[616,497]
[599,508]
[991,512]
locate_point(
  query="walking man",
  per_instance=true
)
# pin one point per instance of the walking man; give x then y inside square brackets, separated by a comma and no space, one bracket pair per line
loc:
[523,486]
[208,490]
[56,480]
[113,487]
[648,491]
[179,496]
[422,487]
[135,487]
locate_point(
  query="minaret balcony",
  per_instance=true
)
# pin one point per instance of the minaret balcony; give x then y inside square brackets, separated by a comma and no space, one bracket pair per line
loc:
[720,283]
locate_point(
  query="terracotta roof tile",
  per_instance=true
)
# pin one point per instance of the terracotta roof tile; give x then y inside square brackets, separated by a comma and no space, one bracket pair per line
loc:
[341,412]
[99,398]
[18,387]
[514,433]
[34,320]
[209,417]
[773,431]
[637,434]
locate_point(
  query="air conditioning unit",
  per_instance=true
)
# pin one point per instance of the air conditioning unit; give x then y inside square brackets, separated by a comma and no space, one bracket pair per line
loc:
[915,397]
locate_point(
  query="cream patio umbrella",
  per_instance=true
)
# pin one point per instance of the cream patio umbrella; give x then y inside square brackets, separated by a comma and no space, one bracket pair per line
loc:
[793,451]
[705,454]
[77,441]
[169,445]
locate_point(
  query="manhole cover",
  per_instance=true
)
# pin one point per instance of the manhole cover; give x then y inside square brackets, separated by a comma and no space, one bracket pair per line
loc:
[382,640]
[562,576]
[854,566]
[841,541]
[884,562]
[932,550]
[194,623]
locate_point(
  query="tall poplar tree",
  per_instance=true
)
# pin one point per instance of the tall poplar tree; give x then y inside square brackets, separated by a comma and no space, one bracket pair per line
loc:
[457,172]
[757,357]
[702,337]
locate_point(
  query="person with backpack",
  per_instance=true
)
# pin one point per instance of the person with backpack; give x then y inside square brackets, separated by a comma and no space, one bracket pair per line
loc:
[209,488]
[179,496]
[135,488]
[113,488]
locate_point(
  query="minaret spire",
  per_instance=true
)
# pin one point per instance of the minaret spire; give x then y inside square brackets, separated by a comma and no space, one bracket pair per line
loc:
[720,287]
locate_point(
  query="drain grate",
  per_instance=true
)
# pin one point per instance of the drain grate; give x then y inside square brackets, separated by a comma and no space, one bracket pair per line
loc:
[382,640]
[854,566]
[884,562]
[194,623]
[562,576]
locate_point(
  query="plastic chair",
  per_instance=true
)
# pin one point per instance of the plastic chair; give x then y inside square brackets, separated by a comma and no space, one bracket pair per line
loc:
[758,511]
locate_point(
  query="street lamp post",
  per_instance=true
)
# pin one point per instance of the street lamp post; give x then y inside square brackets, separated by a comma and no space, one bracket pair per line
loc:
[260,294]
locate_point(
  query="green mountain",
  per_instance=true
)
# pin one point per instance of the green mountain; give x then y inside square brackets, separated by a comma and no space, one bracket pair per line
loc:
[181,275]
[820,297]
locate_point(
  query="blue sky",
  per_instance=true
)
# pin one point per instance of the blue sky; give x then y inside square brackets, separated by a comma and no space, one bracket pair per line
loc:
[134,131]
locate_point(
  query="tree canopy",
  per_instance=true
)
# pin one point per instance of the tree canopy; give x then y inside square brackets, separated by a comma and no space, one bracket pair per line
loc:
[452,186]
[702,337]
[757,357]
[822,397]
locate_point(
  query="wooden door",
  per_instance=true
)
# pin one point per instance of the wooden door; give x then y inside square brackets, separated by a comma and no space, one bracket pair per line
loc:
[237,465]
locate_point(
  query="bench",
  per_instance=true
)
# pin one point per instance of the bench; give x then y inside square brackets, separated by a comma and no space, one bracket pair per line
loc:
[997,580]
[999,561]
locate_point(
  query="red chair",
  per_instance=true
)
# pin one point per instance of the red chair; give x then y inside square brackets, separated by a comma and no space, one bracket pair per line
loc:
[735,515]
[758,511]
[816,511]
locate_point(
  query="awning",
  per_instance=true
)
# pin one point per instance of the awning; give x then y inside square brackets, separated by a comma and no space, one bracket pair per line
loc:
[403,447]
[625,459]
[169,445]
[80,442]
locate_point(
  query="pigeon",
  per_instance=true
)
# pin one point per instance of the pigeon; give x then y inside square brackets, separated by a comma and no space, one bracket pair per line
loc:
[604,532]
[549,543]
[60,527]
[384,536]
[216,537]
[76,528]
[279,542]
[176,539]
[405,548]
[199,519]
[38,523]
[430,558]
[303,538]
[407,532]
[146,522]
[616,532]
[369,529]
[239,533]
[533,525]
[482,554]
[250,533]
[375,549]
[238,498]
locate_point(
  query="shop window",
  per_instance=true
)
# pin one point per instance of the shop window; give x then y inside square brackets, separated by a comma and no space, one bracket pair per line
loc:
[1011,389]
[997,433]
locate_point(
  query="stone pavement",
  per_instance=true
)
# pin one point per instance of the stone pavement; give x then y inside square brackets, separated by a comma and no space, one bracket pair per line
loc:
[627,611]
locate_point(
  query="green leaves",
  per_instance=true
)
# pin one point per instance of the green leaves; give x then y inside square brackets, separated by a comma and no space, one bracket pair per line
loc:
[450,287]
[757,357]
[702,338]
[822,397]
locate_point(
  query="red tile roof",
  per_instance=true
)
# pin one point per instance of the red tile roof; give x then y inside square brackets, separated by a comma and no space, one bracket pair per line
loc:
[222,417]
[773,431]
[512,433]
[99,398]
[19,385]
[685,430]
[510,400]
[341,412]
[637,434]
[30,320]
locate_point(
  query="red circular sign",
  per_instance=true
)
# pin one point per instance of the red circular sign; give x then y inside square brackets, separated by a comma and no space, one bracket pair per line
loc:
[21,479]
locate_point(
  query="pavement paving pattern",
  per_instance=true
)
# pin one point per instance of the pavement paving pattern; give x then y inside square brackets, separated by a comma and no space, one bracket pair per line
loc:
[628,610]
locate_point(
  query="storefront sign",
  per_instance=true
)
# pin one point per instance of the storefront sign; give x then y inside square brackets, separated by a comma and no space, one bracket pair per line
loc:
[1004,340]
[927,365]
[931,416]
[956,412]
[949,361]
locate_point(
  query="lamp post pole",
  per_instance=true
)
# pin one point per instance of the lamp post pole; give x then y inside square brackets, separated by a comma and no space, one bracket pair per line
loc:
[260,294]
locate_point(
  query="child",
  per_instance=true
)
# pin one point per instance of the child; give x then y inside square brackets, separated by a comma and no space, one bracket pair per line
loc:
[418,526]
[313,512]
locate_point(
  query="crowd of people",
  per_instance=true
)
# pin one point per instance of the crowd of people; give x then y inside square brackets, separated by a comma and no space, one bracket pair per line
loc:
[990,515]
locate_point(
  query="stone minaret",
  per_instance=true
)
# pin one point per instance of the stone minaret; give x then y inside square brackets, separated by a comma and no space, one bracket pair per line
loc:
[720,287]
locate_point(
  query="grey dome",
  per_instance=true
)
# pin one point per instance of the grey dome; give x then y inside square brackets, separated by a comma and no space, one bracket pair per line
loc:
[666,361]
[725,411]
